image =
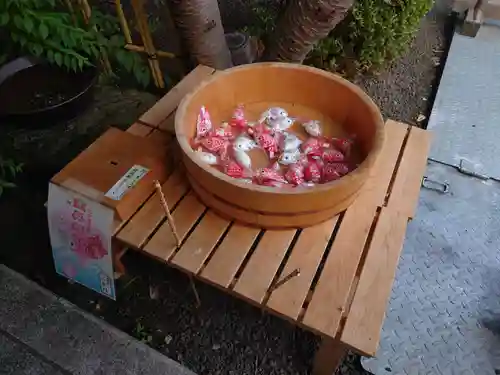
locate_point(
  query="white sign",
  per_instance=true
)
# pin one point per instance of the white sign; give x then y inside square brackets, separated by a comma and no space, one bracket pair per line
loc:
[127,182]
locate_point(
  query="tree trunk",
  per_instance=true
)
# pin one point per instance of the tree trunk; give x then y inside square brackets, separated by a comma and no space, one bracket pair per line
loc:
[304,23]
[200,26]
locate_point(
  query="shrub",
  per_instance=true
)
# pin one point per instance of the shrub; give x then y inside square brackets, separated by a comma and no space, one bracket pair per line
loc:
[8,170]
[373,33]
[43,28]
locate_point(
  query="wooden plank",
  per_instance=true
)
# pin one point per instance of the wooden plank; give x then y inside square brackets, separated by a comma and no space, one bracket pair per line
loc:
[306,256]
[139,129]
[331,295]
[228,258]
[163,243]
[166,105]
[200,244]
[395,134]
[168,125]
[263,264]
[144,222]
[366,316]
[160,137]
[406,187]
[328,357]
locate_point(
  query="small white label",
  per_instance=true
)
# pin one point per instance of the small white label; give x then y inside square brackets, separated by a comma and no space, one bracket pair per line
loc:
[127,182]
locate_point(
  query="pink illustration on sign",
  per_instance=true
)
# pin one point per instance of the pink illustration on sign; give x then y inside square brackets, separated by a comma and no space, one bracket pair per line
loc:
[86,242]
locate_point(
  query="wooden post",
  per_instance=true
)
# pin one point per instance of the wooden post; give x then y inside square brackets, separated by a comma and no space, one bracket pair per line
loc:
[329,356]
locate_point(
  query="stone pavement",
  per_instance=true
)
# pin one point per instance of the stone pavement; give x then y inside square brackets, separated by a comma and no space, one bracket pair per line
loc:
[41,333]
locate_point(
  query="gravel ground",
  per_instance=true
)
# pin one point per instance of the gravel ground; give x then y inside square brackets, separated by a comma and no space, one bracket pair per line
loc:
[224,335]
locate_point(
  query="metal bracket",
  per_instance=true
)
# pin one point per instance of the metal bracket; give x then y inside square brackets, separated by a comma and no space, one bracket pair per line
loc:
[467,168]
[441,187]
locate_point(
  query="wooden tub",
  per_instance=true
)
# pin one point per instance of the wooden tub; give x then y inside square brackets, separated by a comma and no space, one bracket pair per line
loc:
[342,107]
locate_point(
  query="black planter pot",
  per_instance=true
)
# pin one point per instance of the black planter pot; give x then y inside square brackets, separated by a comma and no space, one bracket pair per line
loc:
[35,94]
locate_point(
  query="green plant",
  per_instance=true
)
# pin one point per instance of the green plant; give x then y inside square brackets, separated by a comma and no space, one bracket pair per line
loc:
[44,29]
[8,170]
[142,334]
[374,32]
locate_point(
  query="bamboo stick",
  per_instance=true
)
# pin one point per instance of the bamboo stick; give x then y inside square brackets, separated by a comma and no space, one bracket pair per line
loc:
[133,47]
[148,42]
[87,13]
[71,10]
[170,219]
[123,21]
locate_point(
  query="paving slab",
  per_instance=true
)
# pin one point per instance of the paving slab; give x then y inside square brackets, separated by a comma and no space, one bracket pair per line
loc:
[53,332]
[466,112]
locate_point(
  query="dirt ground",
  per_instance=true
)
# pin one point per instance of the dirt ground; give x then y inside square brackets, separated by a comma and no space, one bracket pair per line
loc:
[224,335]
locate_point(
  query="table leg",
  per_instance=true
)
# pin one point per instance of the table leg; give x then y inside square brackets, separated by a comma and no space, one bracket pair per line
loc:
[118,251]
[328,357]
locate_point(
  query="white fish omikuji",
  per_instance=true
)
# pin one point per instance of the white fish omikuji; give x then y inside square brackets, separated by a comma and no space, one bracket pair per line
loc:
[242,158]
[243,143]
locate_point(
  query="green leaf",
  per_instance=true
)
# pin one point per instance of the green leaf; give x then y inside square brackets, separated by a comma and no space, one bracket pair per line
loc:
[37,49]
[50,56]
[18,21]
[28,24]
[74,64]
[6,184]
[4,18]
[58,58]
[44,30]
[67,61]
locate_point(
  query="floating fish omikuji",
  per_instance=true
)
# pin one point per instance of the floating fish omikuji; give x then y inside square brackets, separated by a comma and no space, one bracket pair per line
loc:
[268,143]
[295,174]
[333,171]
[203,123]
[312,172]
[313,128]
[214,144]
[295,160]
[273,114]
[238,120]
[332,156]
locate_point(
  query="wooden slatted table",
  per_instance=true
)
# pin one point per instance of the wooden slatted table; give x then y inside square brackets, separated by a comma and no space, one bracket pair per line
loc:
[346,265]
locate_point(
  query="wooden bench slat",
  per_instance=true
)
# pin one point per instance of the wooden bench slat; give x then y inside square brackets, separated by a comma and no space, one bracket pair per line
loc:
[163,243]
[331,294]
[406,187]
[263,264]
[166,105]
[139,130]
[160,137]
[228,258]
[395,133]
[366,316]
[168,125]
[306,256]
[144,221]
[200,243]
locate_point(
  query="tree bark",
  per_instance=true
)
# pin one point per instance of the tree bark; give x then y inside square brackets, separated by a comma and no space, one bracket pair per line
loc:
[200,26]
[304,23]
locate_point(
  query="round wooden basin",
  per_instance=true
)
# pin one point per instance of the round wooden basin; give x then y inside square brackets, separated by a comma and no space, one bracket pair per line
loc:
[305,92]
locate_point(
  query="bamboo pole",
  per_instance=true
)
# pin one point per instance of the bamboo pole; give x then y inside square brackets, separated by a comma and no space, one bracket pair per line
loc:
[123,21]
[170,219]
[71,10]
[141,49]
[87,13]
[148,42]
